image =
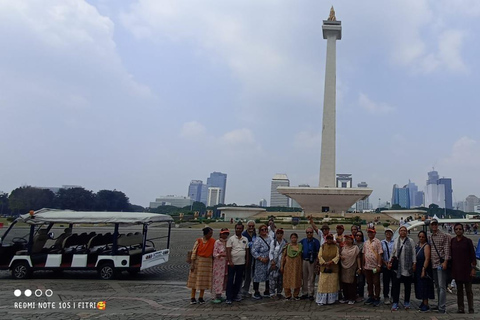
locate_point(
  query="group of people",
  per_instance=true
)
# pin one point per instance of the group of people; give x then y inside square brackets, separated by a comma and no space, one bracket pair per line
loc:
[342,262]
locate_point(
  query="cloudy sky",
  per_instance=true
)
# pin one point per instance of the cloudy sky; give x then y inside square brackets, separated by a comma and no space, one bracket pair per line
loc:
[144,96]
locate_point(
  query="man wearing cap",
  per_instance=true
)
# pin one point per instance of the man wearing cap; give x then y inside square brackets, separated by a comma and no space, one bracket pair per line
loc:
[311,246]
[387,247]
[440,254]
[372,255]
[325,230]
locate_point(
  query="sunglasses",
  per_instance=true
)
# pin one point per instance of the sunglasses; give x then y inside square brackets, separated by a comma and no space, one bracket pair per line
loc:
[263,229]
[309,232]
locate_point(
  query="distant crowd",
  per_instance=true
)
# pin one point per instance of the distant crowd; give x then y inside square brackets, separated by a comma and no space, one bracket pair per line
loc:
[342,263]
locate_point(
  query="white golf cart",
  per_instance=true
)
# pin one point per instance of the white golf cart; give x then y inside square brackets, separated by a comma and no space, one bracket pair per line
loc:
[108,253]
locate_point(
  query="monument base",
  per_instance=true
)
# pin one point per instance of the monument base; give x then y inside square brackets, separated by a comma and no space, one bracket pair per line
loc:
[322,200]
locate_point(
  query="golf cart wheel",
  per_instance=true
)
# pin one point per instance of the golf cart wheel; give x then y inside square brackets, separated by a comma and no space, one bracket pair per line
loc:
[21,270]
[106,271]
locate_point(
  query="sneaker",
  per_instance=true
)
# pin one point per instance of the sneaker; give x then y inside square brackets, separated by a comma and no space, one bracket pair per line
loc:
[288,298]
[406,305]
[228,301]
[201,301]
[376,303]
[238,299]
[266,294]
[305,296]
[217,300]
[395,306]
[297,298]
[272,295]
[320,304]
[351,302]
[369,301]
[460,311]
[421,306]
[193,301]
[425,308]
[442,311]
[257,296]
[342,301]
[359,299]
[279,296]
[386,301]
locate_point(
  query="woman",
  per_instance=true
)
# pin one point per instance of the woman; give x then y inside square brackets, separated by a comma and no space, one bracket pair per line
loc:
[360,277]
[404,253]
[292,268]
[260,252]
[275,255]
[220,268]
[328,258]
[350,261]
[200,276]
[424,289]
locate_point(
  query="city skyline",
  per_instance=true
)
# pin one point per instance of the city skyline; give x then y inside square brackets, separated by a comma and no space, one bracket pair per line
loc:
[142,96]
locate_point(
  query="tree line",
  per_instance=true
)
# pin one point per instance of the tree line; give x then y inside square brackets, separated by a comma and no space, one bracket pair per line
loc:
[26,198]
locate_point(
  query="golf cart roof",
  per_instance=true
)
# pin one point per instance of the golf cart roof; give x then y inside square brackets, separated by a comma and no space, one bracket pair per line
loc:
[46,216]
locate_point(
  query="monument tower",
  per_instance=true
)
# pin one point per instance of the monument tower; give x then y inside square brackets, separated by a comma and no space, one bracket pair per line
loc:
[327,197]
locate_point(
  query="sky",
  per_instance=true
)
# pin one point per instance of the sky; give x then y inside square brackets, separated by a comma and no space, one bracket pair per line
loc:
[145,96]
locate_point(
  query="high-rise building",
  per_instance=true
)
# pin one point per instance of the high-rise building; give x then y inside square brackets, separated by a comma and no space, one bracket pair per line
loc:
[438,191]
[195,190]
[218,180]
[362,205]
[277,199]
[416,197]
[447,182]
[401,196]
[471,202]
[214,196]
[262,203]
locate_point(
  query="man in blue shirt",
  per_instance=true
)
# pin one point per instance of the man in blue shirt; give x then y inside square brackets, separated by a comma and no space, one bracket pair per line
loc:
[311,246]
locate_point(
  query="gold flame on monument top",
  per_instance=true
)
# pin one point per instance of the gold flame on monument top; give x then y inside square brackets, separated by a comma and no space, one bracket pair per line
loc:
[332,17]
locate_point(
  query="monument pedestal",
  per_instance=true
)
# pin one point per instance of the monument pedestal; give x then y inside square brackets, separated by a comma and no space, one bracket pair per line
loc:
[322,200]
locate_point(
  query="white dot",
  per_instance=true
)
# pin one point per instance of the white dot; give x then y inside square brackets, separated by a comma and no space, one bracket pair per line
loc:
[49,292]
[38,293]
[17,293]
[28,293]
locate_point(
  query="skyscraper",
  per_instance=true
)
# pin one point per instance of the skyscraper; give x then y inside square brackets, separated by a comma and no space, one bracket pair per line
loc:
[438,191]
[401,196]
[262,203]
[277,199]
[416,197]
[471,202]
[218,180]
[214,196]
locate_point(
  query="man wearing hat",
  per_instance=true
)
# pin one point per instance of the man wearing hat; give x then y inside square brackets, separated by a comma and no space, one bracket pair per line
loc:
[372,255]
[387,247]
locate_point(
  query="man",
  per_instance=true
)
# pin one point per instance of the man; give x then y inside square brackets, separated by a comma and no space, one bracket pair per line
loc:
[463,267]
[440,254]
[325,230]
[271,229]
[387,247]
[237,257]
[251,235]
[372,255]
[310,246]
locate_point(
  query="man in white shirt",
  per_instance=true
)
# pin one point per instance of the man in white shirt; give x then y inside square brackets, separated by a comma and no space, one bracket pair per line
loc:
[237,258]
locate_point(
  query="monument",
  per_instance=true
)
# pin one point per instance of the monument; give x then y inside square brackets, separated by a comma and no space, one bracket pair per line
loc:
[327,197]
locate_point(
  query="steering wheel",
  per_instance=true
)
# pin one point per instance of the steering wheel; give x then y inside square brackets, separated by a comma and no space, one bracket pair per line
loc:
[19,240]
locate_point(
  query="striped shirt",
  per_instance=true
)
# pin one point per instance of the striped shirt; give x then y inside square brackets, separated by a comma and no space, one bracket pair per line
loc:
[441,241]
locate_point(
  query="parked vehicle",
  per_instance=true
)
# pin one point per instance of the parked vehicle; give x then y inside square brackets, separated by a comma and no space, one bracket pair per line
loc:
[108,253]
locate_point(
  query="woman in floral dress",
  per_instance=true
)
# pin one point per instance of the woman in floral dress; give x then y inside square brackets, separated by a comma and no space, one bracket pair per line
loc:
[260,252]
[220,270]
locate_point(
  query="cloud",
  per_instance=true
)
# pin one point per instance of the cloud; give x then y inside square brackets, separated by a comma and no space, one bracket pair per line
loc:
[465,153]
[377,108]
[193,130]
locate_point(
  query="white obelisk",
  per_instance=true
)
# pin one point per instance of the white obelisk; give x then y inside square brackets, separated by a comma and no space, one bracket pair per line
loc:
[332,31]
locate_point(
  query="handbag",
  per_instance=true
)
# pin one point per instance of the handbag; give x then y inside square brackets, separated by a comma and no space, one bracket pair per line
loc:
[395,258]
[190,252]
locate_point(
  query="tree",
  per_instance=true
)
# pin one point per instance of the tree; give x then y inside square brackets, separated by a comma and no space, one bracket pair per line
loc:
[4,208]
[24,199]
[107,200]
[75,199]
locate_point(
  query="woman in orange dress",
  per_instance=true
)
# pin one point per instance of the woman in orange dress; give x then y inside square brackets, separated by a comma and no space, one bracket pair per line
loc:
[200,276]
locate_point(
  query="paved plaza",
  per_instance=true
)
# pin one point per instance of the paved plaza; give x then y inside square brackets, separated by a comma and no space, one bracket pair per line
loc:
[160,293]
